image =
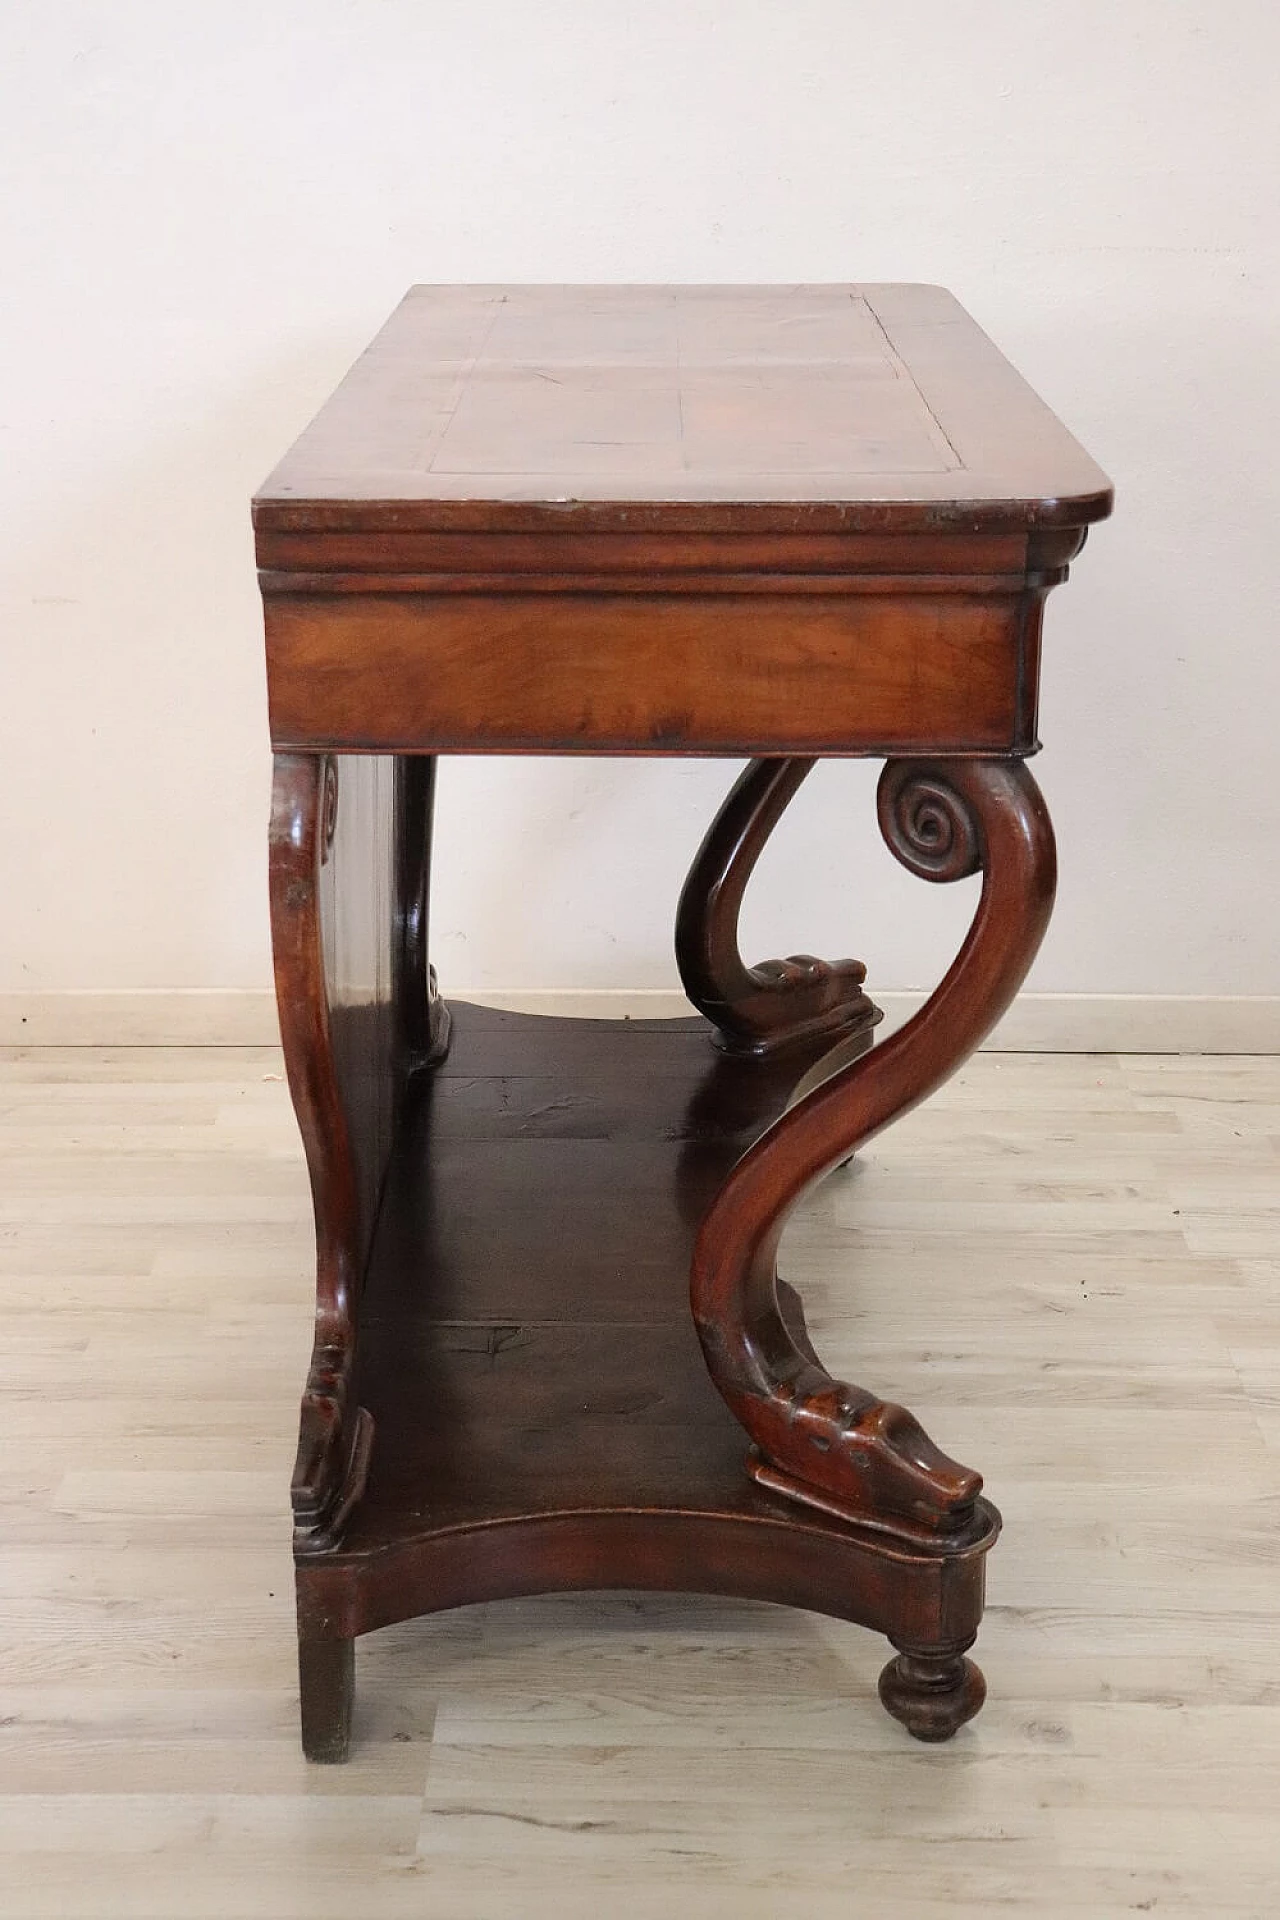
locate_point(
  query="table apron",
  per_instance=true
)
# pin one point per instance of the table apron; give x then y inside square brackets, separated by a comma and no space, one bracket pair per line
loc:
[839,673]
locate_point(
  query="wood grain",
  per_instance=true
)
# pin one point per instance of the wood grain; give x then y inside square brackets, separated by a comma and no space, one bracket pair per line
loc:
[815,1437]
[762,1008]
[651,673]
[627,409]
[350,852]
[692,520]
[774,521]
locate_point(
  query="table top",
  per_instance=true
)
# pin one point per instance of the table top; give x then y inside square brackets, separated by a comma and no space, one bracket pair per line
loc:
[682,409]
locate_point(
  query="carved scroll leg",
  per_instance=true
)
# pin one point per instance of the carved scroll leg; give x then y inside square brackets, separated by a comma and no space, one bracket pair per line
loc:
[326,1679]
[333,1444]
[780,1003]
[349,859]
[422,1015]
[816,1438]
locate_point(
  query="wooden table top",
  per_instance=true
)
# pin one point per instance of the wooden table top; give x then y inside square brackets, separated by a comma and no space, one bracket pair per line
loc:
[682,409]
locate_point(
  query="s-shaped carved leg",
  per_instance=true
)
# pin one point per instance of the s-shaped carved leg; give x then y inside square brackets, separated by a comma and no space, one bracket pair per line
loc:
[349,845]
[335,1436]
[780,1003]
[815,1438]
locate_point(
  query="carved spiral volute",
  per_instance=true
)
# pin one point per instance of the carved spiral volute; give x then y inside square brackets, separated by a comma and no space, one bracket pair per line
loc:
[928,825]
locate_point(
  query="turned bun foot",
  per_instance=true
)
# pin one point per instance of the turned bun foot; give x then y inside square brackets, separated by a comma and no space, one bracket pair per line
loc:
[932,1694]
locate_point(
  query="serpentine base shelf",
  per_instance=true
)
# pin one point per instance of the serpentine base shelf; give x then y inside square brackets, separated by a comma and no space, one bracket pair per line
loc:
[541,1411]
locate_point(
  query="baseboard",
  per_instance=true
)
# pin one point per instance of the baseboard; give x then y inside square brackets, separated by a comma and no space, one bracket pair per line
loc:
[141,1017]
[1037,1022]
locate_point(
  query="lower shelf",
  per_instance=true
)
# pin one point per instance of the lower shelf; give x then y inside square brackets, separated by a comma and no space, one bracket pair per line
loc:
[542,1415]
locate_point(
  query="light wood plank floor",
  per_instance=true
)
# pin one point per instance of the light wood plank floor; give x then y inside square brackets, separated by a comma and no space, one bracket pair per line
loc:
[1069,1266]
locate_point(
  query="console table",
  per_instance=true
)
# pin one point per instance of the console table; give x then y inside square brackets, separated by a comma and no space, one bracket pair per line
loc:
[552,1349]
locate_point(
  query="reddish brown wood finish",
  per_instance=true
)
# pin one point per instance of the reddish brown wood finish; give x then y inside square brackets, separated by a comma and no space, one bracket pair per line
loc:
[333,1449]
[763,1008]
[491,670]
[781,522]
[543,1415]
[827,409]
[833,1445]
[350,853]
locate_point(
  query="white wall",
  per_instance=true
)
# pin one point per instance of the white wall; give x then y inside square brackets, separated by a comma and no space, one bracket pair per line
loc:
[209,210]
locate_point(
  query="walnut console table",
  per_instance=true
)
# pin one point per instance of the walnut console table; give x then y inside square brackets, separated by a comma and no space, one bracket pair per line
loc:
[552,1350]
